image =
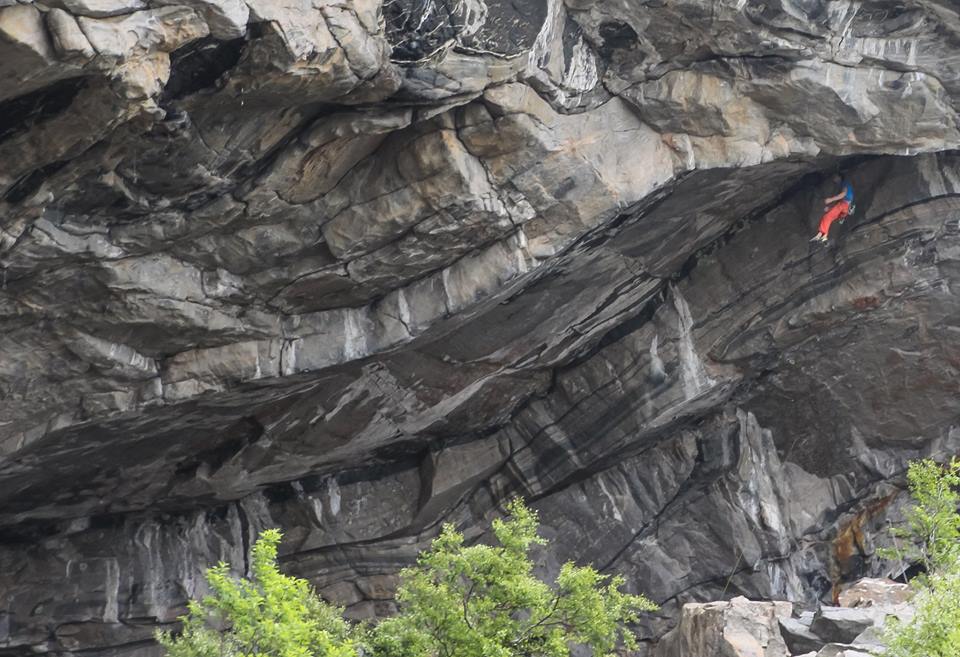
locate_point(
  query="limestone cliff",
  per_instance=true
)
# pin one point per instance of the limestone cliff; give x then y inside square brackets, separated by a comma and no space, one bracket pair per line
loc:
[355,270]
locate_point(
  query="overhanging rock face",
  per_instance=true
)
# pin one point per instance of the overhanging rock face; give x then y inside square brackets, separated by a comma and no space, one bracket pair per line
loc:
[304,264]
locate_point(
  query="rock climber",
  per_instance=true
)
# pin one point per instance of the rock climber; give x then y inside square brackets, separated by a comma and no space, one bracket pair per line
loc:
[842,204]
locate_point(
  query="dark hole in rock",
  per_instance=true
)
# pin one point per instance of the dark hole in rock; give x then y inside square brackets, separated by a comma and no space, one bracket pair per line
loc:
[616,35]
[259,30]
[280,494]
[215,458]
[106,521]
[910,572]
[31,182]
[199,65]
[30,533]
[90,194]
[18,114]
[216,513]
[245,432]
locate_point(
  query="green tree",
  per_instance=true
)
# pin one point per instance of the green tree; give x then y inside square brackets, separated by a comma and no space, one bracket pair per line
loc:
[933,535]
[271,615]
[935,629]
[484,601]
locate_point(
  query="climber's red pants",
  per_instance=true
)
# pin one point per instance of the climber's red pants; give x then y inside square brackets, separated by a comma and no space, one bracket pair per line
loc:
[836,211]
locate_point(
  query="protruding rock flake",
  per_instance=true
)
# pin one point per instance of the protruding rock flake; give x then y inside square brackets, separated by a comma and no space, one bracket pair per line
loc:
[581,74]
[358,269]
[354,335]
[333,499]
[692,373]
[657,371]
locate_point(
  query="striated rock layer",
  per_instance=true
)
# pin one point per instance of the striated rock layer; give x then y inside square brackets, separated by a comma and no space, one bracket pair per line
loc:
[356,270]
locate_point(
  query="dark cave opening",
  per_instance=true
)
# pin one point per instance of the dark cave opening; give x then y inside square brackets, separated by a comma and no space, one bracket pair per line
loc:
[21,113]
[199,65]
[29,183]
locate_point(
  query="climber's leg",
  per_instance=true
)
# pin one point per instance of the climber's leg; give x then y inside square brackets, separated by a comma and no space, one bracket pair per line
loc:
[835,212]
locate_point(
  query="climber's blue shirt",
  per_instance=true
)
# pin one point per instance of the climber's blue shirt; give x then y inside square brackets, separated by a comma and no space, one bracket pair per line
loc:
[848,193]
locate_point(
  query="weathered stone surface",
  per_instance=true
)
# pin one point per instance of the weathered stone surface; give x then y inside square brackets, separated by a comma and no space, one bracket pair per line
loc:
[797,635]
[840,650]
[227,19]
[68,39]
[292,264]
[738,628]
[100,8]
[842,625]
[25,51]
[871,639]
[869,592]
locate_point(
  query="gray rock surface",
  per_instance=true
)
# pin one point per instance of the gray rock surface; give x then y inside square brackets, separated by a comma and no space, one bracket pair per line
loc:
[293,264]
[843,625]
[797,635]
[741,628]
[869,592]
[840,650]
[738,628]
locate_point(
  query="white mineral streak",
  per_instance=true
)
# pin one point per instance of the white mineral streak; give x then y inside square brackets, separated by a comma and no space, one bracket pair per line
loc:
[692,373]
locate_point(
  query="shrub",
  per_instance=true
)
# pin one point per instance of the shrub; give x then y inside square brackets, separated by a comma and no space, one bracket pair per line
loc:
[270,615]
[935,629]
[457,601]
[933,531]
[484,601]
[932,534]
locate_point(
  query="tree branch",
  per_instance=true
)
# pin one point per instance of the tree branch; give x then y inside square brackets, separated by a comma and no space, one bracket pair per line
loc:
[466,601]
[539,623]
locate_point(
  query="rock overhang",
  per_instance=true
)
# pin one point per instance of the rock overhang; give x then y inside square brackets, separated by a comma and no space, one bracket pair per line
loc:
[257,270]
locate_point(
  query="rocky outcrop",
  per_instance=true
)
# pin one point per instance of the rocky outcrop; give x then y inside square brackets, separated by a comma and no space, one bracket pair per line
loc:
[357,270]
[874,593]
[741,628]
[737,628]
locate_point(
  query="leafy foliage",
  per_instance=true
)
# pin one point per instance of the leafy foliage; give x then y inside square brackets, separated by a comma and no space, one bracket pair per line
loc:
[458,601]
[932,534]
[271,615]
[935,630]
[484,601]
[933,528]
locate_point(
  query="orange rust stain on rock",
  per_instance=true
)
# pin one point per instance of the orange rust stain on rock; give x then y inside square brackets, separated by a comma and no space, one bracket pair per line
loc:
[850,544]
[866,303]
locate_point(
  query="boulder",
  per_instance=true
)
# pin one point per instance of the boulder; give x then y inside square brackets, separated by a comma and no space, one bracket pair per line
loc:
[871,638]
[842,624]
[869,592]
[738,628]
[797,635]
[841,650]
